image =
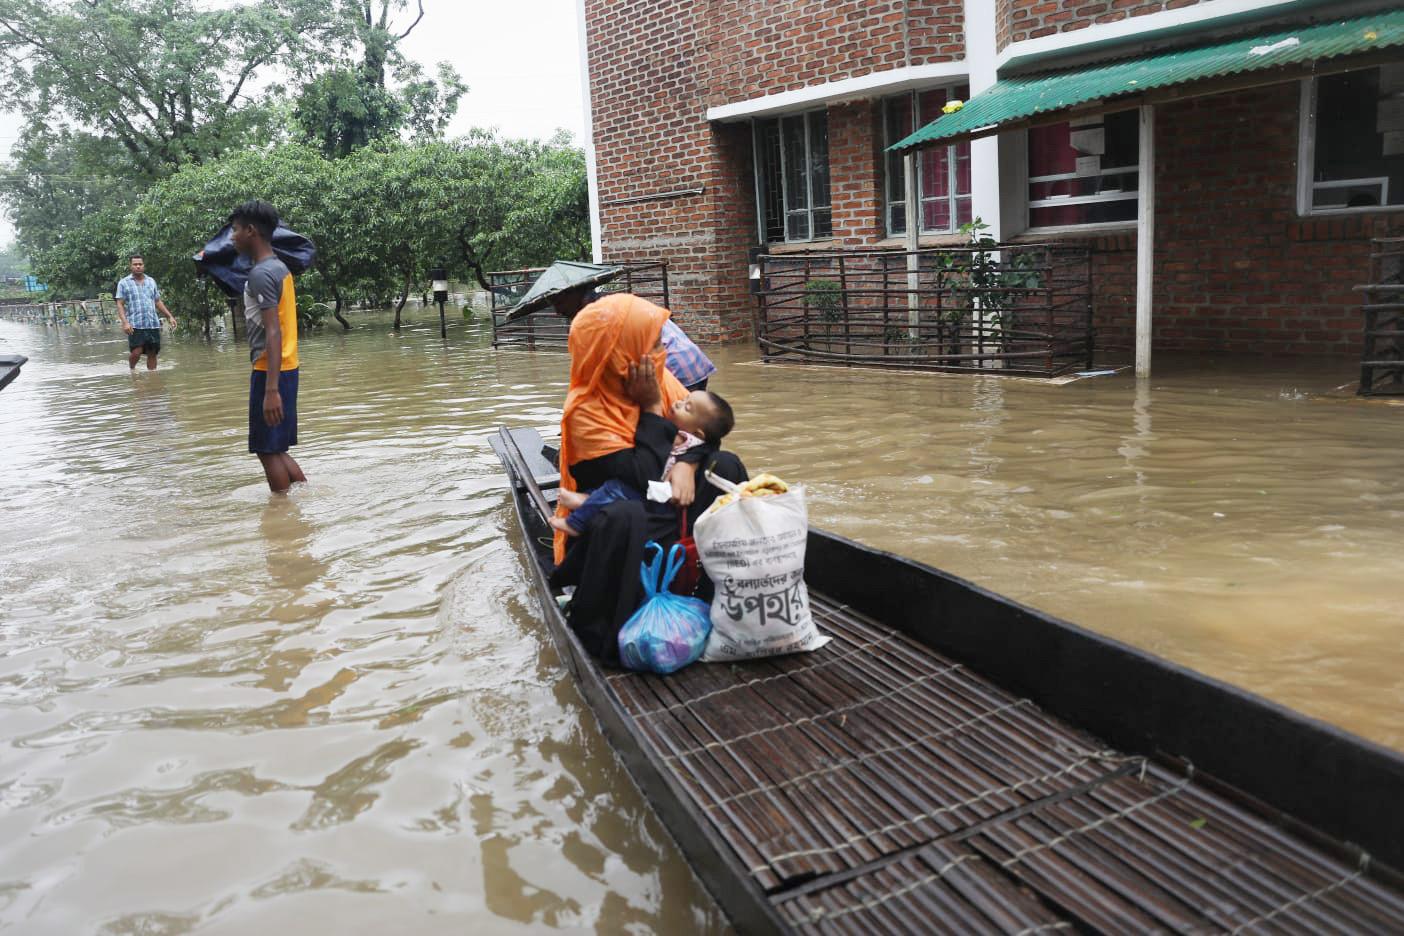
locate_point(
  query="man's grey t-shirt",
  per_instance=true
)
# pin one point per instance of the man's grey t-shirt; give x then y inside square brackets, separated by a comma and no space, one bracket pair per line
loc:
[264,290]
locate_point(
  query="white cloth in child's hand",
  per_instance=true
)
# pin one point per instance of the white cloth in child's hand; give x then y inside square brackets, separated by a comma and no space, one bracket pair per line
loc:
[660,492]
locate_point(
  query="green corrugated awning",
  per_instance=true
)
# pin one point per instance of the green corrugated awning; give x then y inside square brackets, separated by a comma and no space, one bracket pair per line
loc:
[1027,98]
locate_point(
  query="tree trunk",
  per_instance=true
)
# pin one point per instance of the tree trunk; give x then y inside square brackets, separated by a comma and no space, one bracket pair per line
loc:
[336,310]
[404,294]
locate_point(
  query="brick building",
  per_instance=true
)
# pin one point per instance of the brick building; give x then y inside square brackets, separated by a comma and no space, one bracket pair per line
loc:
[721,125]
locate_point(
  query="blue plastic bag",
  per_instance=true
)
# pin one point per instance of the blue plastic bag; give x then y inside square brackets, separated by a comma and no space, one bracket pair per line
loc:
[668,631]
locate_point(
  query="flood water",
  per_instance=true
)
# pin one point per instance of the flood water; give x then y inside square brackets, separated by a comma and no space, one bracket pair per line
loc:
[225,711]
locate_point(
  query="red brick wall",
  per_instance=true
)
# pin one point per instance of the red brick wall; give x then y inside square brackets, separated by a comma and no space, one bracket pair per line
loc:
[654,69]
[1235,268]
[651,138]
[855,170]
[1017,20]
[767,47]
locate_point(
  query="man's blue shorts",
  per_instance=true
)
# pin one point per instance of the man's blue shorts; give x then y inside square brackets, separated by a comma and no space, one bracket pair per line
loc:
[263,438]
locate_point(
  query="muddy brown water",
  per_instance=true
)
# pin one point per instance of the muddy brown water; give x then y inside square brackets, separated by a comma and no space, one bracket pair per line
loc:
[222,711]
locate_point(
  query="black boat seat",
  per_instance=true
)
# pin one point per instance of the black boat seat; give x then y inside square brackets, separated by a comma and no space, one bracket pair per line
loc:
[522,449]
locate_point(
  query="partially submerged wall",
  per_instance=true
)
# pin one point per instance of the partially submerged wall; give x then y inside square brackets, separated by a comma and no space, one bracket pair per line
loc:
[1235,268]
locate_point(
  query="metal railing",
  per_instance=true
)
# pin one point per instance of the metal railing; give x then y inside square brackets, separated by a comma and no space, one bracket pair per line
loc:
[62,312]
[1024,308]
[1382,350]
[545,330]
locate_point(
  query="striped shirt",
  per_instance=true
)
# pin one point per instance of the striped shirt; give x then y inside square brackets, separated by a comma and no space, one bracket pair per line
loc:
[140,299]
[685,360]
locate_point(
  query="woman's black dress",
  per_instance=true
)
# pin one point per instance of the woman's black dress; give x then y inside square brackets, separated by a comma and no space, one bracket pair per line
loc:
[603,562]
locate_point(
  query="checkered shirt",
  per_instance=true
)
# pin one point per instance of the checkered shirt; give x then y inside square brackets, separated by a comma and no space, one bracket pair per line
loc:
[685,359]
[141,301]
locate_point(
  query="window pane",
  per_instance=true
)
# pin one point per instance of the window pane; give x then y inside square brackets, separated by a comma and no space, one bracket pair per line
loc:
[931,103]
[1050,153]
[1084,173]
[897,123]
[898,117]
[819,159]
[799,226]
[962,211]
[796,166]
[962,158]
[823,224]
[768,178]
[1123,137]
[936,215]
[933,169]
[897,218]
[1359,139]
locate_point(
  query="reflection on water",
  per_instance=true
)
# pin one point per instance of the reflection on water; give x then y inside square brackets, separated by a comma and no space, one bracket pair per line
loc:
[228,711]
[224,710]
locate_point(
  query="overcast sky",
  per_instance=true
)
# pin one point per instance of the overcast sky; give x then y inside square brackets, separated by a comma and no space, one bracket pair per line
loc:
[520,59]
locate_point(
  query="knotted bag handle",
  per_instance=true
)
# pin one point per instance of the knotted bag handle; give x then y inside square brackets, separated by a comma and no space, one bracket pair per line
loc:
[655,577]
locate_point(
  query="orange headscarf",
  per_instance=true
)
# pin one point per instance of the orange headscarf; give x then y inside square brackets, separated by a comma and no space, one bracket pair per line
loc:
[599,419]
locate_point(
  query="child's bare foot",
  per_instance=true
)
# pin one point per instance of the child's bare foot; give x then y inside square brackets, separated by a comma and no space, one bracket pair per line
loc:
[558,523]
[571,500]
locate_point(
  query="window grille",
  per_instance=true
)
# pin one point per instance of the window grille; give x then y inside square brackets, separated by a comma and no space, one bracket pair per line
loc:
[792,174]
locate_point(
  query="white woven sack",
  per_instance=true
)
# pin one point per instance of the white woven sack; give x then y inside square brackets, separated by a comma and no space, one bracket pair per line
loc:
[753,550]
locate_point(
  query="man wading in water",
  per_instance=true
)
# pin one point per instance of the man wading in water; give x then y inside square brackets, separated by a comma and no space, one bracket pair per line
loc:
[138,300]
[270,311]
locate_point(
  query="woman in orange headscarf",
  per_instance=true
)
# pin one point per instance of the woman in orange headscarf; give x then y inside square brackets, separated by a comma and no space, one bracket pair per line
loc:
[602,409]
[613,427]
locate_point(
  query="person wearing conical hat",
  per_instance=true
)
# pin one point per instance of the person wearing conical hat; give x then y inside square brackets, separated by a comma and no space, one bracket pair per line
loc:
[569,286]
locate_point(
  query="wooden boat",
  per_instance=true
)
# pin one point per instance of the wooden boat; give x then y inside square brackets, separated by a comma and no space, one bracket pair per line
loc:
[956,761]
[10,365]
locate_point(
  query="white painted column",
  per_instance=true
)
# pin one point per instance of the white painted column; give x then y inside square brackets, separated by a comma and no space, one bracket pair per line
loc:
[1145,241]
[591,174]
[982,64]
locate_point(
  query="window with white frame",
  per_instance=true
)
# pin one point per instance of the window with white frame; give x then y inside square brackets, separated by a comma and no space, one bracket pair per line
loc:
[792,176]
[1085,171]
[1355,122]
[943,172]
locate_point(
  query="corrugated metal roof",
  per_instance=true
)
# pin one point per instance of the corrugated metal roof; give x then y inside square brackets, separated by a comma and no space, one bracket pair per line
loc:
[1022,97]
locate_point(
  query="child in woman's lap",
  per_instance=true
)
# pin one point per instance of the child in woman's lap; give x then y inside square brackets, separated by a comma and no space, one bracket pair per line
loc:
[702,418]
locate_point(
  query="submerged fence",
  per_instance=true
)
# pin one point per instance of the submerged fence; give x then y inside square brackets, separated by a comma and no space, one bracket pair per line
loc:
[547,331]
[66,312]
[1024,308]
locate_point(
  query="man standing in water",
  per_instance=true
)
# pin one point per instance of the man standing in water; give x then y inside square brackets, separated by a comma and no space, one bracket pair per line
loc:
[270,312]
[138,300]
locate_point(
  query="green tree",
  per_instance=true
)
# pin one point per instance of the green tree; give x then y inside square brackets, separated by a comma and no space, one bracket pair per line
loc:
[170,81]
[119,94]
[352,105]
[520,203]
[381,217]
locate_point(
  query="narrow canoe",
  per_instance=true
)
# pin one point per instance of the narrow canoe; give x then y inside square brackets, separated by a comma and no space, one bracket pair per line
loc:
[955,761]
[10,365]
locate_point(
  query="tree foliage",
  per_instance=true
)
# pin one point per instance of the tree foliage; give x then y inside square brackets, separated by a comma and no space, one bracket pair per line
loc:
[351,105]
[382,217]
[120,94]
[170,81]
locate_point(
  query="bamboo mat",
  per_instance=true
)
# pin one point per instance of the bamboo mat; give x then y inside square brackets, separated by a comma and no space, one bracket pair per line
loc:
[876,786]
